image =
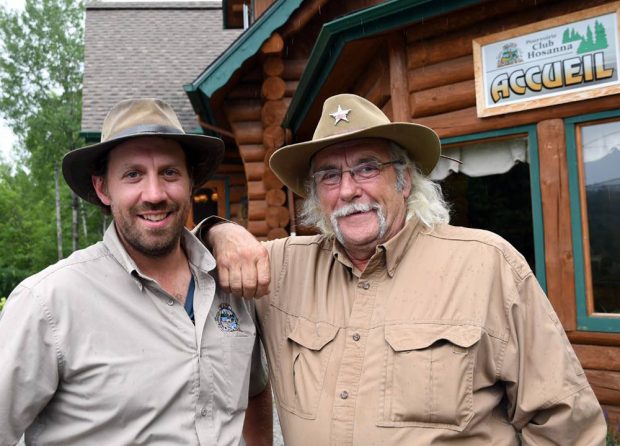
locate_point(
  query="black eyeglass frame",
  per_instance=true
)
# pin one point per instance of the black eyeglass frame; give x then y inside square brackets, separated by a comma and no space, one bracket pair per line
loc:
[319,176]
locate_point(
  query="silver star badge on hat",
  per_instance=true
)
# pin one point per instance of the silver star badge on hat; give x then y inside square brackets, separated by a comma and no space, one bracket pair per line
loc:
[340,115]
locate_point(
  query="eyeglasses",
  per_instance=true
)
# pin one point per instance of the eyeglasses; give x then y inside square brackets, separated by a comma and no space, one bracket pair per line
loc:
[360,173]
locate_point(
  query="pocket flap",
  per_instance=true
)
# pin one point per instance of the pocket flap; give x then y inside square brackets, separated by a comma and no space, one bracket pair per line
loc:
[312,335]
[419,336]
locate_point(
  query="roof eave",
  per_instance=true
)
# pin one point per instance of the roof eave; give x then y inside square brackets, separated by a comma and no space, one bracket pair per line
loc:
[336,34]
[216,75]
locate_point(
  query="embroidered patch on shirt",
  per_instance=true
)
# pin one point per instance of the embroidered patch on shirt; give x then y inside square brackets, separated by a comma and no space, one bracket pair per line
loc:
[226,318]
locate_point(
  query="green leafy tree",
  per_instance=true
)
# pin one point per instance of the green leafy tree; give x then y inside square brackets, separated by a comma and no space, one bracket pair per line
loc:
[41,59]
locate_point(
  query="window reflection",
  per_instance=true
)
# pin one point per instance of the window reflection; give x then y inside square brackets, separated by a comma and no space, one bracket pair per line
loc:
[601,178]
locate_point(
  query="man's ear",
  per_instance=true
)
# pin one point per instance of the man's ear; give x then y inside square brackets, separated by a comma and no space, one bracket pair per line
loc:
[102,193]
[408,184]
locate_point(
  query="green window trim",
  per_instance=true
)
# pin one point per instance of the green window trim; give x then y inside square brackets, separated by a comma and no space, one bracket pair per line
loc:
[585,322]
[537,215]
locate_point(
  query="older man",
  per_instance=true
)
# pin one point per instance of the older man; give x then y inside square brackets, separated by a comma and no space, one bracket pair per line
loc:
[393,327]
[128,341]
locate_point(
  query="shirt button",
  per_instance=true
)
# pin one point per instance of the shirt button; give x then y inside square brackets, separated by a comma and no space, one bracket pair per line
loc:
[356,337]
[203,412]
[171,302]
[344,394]
[364,285]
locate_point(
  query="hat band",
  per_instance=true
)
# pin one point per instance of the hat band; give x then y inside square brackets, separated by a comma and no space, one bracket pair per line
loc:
[147,128]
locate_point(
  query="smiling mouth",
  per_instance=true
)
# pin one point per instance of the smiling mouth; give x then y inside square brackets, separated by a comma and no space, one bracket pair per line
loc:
[155,217]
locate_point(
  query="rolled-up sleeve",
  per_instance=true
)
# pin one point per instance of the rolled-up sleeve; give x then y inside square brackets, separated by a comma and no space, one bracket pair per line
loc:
[29,362]
[550,399]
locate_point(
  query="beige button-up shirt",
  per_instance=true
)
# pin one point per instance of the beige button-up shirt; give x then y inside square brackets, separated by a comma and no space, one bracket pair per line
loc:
[445,338]
[93,352]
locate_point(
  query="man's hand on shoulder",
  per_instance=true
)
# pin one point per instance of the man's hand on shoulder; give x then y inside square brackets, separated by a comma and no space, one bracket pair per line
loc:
[242,261]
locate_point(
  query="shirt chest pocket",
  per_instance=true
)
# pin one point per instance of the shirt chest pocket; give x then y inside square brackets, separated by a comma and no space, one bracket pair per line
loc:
[428,378]
[303,361]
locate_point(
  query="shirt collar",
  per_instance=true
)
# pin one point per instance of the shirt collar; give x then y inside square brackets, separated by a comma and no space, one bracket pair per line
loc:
[197,254]
[388,254]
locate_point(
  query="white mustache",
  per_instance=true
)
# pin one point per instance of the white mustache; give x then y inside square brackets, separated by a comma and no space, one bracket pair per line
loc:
[352,208]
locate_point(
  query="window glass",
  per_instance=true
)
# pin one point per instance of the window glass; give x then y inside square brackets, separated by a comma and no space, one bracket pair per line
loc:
[600,155]
[491,190]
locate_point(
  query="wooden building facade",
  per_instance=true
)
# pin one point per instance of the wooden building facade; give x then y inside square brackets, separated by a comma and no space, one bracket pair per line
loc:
[526,174]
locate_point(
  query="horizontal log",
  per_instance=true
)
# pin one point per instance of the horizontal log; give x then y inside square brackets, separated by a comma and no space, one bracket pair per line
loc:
[237,180]
[271,181]
[243,110]
[293,69]
[275,233]
[256,190]
[254,171]
[247,132]
[230,168]
[379,93]
[258,228]
[440,50]
[275,197]
[273,66]
[257,209]
[583,337]
[598,357]
[291,88]
[273,113]
[370,78]
[245,91]
[273,137]
[252,152]
[302,16]
[277,216]
[268,154]
[452,42]
[606,386]
[442,73]
[273,88]
[468,17]
[463,122]
[443,99]
[236,194]
[273,45]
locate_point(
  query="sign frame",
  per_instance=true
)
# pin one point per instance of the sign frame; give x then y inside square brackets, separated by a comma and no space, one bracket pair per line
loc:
[545,99]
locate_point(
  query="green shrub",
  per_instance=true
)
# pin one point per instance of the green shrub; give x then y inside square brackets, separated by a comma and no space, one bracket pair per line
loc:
[2,302]
[9,279]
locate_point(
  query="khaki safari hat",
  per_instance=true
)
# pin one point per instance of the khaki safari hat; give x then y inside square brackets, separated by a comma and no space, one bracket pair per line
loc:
[346,117]
[133,118]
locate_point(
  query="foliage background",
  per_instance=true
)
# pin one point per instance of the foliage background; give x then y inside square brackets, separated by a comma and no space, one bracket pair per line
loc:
[41,66]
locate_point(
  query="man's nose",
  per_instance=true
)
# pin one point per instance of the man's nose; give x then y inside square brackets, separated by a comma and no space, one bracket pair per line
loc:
[349,188]
[154,190]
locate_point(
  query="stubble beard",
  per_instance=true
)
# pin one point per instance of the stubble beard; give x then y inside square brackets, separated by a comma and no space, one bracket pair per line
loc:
[155,243]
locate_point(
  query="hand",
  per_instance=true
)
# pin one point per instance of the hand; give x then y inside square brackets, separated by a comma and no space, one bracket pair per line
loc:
[242,262]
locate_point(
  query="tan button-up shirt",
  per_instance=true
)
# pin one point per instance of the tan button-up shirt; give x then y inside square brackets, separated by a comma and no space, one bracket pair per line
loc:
[93,352]
[445,338]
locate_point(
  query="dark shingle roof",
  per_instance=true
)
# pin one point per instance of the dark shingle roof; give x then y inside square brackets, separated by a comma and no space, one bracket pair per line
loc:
[148,49]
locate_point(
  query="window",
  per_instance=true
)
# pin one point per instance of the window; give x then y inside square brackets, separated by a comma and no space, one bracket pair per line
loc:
[497,188]
[594,171]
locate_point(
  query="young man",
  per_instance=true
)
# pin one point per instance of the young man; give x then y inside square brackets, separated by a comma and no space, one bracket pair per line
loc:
[393,327]
[129,341]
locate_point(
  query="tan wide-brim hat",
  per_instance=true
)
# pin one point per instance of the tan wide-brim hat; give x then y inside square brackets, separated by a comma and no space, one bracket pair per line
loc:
[346,117]
[134,118]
